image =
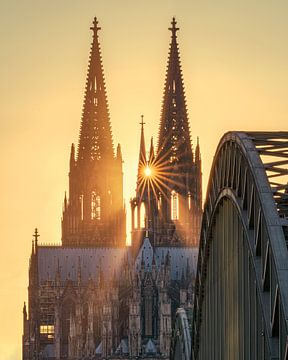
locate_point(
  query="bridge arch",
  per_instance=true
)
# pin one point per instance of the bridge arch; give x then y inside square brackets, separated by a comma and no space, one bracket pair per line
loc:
[181,346]
[241,290]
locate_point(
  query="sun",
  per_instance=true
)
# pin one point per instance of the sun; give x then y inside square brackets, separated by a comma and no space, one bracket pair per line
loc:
[148,171]
[155,177]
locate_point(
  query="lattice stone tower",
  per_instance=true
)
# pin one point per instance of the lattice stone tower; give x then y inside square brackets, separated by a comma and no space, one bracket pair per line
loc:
[171,191]
[94,214]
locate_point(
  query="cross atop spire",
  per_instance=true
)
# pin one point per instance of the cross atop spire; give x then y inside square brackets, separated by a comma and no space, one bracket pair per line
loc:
[173,29]
[36,235]
[95,28]
[142,123]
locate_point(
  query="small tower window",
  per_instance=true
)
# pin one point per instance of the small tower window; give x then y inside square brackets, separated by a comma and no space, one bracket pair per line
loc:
[174,205]
[174,86]
[189,200]
[95,206]
[159,202]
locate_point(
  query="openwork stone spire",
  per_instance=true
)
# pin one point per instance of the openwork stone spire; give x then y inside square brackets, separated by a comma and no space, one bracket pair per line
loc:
[95,140]
[174,144]
[94,213]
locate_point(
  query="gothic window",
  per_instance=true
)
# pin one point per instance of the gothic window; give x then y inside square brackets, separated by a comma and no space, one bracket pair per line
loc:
[174,205]
[142,216]
[189,200]
[95,206]
[47,330]
[134,213]
[159,202]
[174,86]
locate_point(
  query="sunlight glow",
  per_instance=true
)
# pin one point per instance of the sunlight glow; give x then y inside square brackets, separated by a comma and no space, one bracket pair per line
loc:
[156,179]
[148,171]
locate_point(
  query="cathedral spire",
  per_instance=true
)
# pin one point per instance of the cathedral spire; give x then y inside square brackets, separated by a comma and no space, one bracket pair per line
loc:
[95,140]
[94,214]
[174,144]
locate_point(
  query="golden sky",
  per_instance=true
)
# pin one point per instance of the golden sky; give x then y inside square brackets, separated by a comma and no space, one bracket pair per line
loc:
[235,64]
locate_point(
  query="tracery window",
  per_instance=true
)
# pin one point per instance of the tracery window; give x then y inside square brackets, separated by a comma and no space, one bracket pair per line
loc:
[47,329]
[142,216]
[95,206]
[189,200]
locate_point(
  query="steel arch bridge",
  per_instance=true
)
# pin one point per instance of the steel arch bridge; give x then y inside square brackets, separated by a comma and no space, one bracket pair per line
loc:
[241,291]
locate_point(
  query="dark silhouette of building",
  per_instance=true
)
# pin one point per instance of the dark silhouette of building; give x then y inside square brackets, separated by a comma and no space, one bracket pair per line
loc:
[168,201]
[93,297]
[94,213]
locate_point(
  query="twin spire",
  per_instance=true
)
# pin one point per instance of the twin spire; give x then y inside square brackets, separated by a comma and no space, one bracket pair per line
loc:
[95,141]
[174,143]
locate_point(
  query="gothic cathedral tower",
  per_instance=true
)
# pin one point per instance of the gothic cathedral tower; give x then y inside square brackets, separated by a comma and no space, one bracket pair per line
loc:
[94,214]
[168,201]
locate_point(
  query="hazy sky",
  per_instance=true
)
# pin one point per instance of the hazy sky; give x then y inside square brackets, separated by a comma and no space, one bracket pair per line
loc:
[235,59]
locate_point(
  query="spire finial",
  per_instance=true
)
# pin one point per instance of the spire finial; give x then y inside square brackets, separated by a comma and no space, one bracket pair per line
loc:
[142,123]
[173,29]
[95,28]
[36,235]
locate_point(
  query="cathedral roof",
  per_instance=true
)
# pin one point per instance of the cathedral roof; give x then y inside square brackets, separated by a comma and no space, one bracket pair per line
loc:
[179,256]
[92,261]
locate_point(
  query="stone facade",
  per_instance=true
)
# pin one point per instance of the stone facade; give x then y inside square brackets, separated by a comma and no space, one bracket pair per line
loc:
[123,307]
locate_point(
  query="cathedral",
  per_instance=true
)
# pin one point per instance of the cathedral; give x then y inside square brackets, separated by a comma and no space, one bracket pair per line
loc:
[93,297]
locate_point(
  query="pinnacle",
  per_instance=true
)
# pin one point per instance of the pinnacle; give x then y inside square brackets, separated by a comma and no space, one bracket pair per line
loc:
[95,28]
[173,29]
